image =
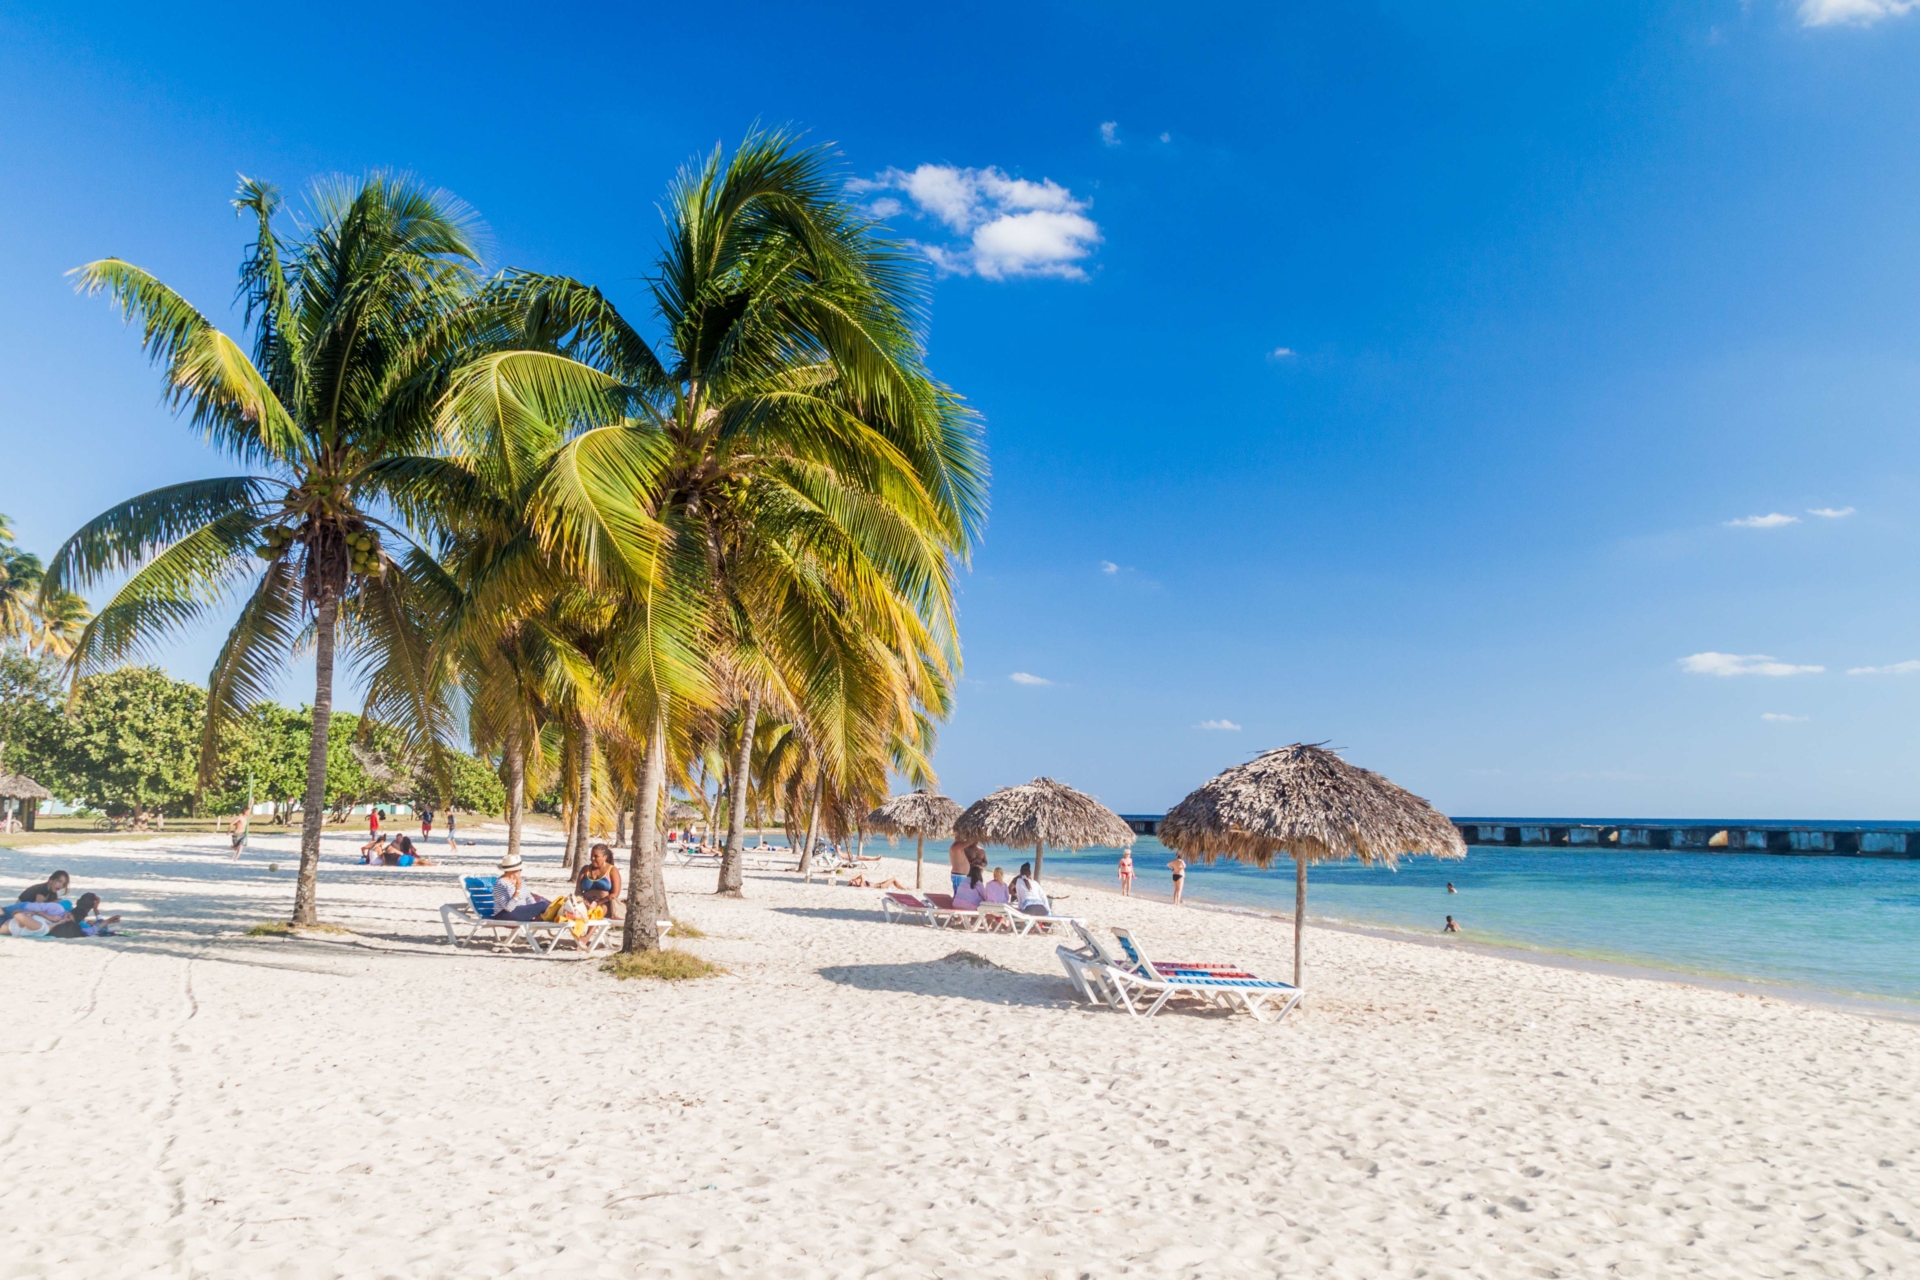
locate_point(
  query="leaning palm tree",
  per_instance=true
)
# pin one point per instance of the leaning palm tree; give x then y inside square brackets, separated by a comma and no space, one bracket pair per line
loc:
[777,472]
[355,326]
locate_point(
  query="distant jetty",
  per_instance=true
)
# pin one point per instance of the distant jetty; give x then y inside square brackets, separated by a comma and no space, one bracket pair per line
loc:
[1810,839]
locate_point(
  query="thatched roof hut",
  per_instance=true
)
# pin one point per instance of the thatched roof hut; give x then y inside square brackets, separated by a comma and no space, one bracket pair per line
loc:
[1305,803]
[1043,814]
[921,814]
[18,786]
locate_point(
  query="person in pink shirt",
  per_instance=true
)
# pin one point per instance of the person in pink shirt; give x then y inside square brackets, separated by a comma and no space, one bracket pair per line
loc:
[995,890]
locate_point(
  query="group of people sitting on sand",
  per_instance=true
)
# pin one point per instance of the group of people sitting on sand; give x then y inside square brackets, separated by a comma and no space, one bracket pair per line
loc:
[44,911]
[596,895]
[393,851]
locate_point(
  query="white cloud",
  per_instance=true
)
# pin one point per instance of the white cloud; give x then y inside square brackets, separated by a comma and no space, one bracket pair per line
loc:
[1166,137]
[1282,353]
[1772,520]
[1108,566]
[1218,724]
[1005,227]
[1024,677]
[1853,13]
[1743,664]
[1896,669]
[1776,718]
[1110,132]
[1830,513]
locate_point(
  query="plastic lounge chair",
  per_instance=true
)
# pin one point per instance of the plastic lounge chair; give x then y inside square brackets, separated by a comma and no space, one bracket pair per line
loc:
[541,937]
[946,914]
[1227,986]
[898,907]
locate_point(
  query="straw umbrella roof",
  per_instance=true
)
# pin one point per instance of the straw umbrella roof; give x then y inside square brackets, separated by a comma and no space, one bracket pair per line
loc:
[918,813]
[18,786]
[1043,813]
[1305,803]
[681,811]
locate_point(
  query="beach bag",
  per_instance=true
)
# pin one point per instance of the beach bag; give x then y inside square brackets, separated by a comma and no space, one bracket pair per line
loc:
[569,910]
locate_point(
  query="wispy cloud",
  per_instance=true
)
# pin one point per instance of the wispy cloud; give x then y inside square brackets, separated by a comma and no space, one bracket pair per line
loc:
[1109,567]
[1166,137]
[1003,227]
[1830,513]
[1218,724]
[1851,13]
[1282,353]
[1772,520]
[1110,132]
[1743,664]
[1906,668]
[1775,717]
[1027,677]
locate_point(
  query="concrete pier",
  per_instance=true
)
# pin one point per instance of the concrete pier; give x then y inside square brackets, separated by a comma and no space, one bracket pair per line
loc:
[1830,839]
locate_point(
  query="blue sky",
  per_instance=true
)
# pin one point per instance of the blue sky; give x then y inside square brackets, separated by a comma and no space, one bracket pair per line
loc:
[1389,375]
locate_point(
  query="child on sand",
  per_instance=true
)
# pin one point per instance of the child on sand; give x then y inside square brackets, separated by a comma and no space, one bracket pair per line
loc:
[1126,873]
[1179,868]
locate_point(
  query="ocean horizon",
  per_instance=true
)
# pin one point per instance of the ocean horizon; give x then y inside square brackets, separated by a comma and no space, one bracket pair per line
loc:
[1828,926]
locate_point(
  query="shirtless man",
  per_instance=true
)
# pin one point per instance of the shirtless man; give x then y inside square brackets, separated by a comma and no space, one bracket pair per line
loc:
[957,861]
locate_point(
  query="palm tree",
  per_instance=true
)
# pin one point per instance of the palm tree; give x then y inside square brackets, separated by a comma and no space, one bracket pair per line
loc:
[356,326]
[777,473]
[40,621]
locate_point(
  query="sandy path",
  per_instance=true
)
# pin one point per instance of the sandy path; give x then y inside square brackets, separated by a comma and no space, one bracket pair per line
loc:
[190,1103]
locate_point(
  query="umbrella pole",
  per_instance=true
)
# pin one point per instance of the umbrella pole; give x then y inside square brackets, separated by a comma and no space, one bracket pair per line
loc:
[1038,850]
[919,858]
[1299,911]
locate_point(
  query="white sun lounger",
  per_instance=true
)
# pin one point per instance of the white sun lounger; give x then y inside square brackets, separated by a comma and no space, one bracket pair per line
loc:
[472,921]
[1219,984]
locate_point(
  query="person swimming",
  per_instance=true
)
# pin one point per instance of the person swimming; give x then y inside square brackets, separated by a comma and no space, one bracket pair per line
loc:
[1450,888]
[1451,926]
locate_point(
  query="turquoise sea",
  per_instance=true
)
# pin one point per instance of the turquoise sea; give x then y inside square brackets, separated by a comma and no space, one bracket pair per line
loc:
[1834,925]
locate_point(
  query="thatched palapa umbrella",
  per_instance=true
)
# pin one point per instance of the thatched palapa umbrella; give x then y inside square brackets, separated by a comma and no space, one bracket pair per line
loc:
[920,814]
[1041,815]
[18,788]
[1308,804]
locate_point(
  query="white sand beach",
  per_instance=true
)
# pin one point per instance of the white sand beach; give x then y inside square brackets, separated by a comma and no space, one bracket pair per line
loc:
[185,1101]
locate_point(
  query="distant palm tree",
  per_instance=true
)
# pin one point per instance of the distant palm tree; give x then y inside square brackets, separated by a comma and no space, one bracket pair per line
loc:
[778,475]
[355,327]
[40,621]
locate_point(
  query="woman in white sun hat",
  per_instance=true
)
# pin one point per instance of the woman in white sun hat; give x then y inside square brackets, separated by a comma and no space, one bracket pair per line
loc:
[512,900]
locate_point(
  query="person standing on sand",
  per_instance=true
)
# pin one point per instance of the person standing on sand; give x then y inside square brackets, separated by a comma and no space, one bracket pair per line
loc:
[237,834]
[426,824]
[958,861]
[1179,868]
[451,842]
[373,823]
[1126,873]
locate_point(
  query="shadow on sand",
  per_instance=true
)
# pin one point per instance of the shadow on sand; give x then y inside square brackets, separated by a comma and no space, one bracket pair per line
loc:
[950,977]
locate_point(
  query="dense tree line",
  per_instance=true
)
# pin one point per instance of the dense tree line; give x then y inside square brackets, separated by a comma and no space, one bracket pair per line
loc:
[128,742]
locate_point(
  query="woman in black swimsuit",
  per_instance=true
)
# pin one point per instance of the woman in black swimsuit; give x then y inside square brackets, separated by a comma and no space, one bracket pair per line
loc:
[1179,868]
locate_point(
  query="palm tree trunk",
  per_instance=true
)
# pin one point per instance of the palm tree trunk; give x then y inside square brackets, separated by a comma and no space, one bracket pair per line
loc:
[313,818]
[646,903]
[583,803]
[813,829]
[516,790]
[731,879]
